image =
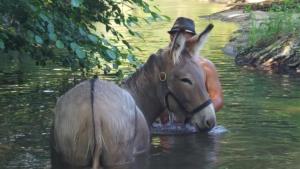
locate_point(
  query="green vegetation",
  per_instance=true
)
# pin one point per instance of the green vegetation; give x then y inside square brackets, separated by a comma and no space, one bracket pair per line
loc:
[63,32]
[283,20]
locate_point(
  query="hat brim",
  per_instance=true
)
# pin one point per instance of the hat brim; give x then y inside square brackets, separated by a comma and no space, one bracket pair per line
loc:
[177,30]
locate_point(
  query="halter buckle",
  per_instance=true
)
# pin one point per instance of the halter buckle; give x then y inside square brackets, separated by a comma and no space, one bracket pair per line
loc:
[162,76]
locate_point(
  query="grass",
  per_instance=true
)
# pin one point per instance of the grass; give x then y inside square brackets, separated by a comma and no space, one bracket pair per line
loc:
[283,21]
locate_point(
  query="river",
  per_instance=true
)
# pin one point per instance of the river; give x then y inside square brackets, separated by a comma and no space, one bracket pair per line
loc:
[261,112]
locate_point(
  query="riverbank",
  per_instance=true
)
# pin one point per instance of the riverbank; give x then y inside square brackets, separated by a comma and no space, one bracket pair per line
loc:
[267,39]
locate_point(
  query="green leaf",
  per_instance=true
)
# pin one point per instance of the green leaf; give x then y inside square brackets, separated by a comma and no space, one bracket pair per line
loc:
[146,9]
[59,44]
[112,55]
[104,42]
[68,38]
[117,21]
[131,32]
[156,7]
[74,46]
[80,53]
[2,45]
[93,38]
[76,3]
[127,44]
[138,35]
[82,32]
[33,8]
[44,17]
[50,27]
[40,27]
[30,34]
[146,21]
[115,66]
[130,58]
[52,36]
[166,17]
[138,48]
[38,39]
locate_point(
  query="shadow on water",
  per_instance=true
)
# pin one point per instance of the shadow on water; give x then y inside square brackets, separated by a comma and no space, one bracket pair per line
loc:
[189,151]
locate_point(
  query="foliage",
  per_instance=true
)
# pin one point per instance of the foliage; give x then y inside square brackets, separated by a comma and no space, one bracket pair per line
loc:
[282,20]
[63,31]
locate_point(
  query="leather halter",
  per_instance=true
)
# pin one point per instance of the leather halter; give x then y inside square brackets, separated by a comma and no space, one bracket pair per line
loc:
[170,93]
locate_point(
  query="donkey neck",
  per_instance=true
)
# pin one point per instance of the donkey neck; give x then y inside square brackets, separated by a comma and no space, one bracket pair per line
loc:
[144,86]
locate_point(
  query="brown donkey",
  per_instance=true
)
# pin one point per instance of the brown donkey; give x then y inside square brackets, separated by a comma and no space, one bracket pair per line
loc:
[100,124]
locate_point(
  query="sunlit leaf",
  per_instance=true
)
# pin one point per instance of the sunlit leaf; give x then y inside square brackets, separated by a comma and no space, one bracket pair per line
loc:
[138,48]
[36,26]
[166,17]
[156,8]
[59,44]
[146,21]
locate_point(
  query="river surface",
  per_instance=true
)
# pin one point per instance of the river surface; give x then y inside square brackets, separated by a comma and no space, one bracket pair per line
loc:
[261,112]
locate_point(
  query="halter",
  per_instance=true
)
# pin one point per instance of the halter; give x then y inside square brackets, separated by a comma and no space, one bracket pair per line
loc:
[171,94]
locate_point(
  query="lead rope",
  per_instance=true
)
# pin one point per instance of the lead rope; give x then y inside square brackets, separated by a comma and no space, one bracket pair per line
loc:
[93,113]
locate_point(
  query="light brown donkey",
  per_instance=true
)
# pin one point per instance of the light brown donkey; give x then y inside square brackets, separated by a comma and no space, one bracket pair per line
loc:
[100,124]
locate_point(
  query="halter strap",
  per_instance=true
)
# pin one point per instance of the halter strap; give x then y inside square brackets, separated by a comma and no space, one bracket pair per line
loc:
[170,93]
[190,113]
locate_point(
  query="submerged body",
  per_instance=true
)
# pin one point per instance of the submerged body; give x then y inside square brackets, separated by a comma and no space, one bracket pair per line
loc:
[120,129]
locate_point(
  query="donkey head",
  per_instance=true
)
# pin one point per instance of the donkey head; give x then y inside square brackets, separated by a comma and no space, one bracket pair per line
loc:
[185,92]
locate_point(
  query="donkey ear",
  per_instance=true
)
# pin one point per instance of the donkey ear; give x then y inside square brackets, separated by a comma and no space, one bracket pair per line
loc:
[196,43]
[177,45]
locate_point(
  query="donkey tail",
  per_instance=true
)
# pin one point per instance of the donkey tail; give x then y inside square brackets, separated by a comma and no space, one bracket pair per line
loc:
[96,122]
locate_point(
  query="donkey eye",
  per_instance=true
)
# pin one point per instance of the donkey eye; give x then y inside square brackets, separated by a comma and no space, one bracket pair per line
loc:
[186,80]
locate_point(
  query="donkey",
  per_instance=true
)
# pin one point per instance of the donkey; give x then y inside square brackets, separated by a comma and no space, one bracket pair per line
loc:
[97,123]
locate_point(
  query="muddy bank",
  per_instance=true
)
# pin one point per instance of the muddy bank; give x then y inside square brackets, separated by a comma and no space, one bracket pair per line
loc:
[280,55]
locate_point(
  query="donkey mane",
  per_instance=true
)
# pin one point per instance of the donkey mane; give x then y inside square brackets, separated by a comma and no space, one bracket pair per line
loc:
[145,72]
[176,47]
[142,85]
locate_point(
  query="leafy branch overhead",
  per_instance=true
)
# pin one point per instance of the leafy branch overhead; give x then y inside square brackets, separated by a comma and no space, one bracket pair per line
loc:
[63,31]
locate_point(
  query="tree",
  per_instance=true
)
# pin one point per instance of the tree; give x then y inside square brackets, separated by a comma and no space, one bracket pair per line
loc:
[63,31]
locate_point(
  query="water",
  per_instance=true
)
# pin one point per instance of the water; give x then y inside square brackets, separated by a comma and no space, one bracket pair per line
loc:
[261,112]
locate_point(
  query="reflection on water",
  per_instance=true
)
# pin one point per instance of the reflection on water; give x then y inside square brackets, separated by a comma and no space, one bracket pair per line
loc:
[261,112]
[199,151]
